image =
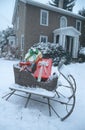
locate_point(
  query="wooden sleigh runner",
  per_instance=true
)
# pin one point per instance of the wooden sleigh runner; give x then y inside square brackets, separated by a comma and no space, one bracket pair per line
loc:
[51,90]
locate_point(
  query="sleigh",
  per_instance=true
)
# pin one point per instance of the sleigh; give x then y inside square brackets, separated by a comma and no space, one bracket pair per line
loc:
[59,96]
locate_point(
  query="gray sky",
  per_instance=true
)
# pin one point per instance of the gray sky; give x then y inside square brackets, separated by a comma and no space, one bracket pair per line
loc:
[7,7]
[6,12]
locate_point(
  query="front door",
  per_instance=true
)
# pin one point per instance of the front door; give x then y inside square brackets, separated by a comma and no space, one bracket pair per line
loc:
[69,44]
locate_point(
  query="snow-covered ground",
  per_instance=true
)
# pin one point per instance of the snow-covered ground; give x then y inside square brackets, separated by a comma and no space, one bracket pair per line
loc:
[13,115]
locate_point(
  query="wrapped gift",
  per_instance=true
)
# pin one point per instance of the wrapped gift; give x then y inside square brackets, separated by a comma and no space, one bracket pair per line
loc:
[43,69]
[33,55]
[27,66]
[21,64]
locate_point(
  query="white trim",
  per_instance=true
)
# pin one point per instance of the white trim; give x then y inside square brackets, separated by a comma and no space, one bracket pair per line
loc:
[42,36]
[41,17]
[61,21]
[24,1]
[75,47]
[78,21]
[66,31]
[22,42]
[70,44]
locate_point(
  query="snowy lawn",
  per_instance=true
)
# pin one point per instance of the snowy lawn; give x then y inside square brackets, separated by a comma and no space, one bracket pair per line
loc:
[13,115]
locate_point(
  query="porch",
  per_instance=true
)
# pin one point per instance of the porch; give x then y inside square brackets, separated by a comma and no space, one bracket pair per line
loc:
[68,38]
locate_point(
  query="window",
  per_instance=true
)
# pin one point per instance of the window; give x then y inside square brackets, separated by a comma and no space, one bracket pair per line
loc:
[22,42]
[43,39]
[78,25]
[44,17]
[11,42]
[63,22]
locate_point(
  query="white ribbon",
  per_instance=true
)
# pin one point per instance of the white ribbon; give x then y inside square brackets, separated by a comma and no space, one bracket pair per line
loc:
[43,64]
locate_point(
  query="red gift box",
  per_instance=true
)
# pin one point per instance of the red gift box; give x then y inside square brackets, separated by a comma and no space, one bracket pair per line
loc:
[43,69]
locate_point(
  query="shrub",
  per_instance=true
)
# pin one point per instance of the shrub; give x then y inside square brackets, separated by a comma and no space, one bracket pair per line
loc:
[54,51]
[82,54]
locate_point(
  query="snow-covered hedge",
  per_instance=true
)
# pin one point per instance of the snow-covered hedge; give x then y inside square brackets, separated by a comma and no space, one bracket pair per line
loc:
[54,51]
[82,51]
[82,54]
[9,52]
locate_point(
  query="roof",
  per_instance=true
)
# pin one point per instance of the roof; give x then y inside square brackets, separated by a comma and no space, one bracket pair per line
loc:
[48,7]
[53,8]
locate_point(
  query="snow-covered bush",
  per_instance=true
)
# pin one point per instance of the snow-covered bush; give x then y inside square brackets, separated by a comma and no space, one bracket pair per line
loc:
[54,51]
[82,51]
[9,52]
[82,54]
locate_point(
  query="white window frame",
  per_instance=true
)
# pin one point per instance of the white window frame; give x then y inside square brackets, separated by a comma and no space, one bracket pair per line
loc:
[78,21]
[61,22]
[42,36]
[41,17]
[22,42]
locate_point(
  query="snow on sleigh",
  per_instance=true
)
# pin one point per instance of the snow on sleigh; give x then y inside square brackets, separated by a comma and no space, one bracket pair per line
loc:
[59,96]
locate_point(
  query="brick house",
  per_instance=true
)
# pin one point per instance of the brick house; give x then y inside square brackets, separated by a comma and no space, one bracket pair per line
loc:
[35,22]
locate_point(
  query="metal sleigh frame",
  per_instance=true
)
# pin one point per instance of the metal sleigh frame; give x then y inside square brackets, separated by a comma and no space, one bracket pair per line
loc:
[56,99]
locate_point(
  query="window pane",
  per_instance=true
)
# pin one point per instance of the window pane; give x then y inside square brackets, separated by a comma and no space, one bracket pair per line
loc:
[63,21]
[44,18]
[22,42]
[43,39]
[11,42]
[78,25]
